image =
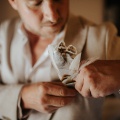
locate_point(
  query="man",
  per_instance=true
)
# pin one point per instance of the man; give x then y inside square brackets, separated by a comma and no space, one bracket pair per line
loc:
[26,69]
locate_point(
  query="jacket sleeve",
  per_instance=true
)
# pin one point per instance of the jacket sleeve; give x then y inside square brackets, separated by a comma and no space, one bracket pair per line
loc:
[112,45]
[9,93]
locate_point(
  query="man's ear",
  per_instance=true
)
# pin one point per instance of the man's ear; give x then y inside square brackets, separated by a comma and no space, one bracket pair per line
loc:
[13,4]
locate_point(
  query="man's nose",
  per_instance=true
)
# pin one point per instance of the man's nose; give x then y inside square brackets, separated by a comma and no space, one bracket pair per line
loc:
[51,12]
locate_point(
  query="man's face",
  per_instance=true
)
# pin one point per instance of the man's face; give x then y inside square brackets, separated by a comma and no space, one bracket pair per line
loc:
[43,17]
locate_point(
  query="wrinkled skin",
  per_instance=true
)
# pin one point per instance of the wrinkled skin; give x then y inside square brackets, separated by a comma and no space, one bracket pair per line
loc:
[99,79]
[43,18]
[46,97]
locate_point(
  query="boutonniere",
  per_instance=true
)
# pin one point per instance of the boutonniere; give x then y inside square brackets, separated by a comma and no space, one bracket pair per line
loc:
[66,61]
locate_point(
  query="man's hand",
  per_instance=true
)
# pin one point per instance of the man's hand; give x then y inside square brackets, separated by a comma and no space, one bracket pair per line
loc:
[99,79]
[46,97]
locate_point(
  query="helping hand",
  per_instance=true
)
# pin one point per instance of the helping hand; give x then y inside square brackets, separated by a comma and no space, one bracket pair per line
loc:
[46,97]
[99,79]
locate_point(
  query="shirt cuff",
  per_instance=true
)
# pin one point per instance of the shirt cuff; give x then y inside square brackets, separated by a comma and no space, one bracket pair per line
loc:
[22,114]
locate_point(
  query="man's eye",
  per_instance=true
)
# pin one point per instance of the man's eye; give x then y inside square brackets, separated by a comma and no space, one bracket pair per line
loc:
[35,3]
[57,0]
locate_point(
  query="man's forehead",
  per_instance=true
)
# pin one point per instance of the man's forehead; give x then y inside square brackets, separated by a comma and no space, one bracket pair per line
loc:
[32,0]
[36,0]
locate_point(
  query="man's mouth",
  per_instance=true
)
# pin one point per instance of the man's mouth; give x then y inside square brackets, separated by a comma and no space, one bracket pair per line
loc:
[51,24]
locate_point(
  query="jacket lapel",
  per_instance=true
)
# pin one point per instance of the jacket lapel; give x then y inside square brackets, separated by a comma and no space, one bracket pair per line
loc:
[17,57]
[76,33]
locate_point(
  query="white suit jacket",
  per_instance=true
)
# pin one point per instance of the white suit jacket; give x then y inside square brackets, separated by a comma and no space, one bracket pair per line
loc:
[90,39]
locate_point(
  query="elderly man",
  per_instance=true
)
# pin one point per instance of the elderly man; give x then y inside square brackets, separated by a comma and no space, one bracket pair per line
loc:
[30,88]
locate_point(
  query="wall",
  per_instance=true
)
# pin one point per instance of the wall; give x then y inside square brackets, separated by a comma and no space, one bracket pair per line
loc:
[91,9]
[6,11]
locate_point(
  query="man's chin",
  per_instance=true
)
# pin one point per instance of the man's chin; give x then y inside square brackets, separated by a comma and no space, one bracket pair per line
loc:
[50,33]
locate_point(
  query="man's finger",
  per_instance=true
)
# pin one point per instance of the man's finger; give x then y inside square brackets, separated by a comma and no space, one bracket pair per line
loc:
[79,82]
[58,101]
[57,90]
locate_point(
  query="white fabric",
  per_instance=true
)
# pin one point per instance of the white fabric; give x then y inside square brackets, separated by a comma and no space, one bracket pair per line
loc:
[90,39]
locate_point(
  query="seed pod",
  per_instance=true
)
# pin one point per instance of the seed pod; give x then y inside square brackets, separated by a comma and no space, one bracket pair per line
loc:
[62,47]
[72,51]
